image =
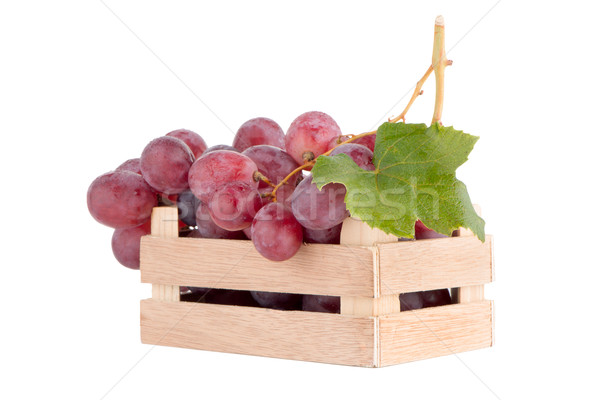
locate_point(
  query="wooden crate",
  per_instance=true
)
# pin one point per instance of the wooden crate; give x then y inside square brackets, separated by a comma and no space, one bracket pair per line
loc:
[368,271]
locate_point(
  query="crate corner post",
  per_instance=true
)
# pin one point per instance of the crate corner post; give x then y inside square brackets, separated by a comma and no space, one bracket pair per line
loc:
[165,224]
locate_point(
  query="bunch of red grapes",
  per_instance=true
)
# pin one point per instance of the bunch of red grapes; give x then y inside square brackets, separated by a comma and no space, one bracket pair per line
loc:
[244,191]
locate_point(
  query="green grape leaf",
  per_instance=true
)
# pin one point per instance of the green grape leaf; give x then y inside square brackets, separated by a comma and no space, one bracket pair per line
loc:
[414,178]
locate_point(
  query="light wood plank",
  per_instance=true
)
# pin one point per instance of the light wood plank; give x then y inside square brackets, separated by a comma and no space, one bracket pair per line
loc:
[357,233]
[469,294]
[434,264]
[296,335]
[235,264]
[434,332]
[164,223]
[166,292]
[369,306]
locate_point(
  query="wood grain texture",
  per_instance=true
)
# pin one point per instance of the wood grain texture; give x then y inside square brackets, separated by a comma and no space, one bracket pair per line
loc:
[434,264]
[166,292]
[295,335]
[358,233]
[369,306]
[165,224]
[434,332]
[470,294]
[235,264]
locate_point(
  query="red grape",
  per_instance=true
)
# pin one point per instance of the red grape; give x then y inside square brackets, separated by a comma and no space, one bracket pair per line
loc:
[273,163]
[275,232]
[214,168]
[121,199]
[234,205]
[326,236]
[278,301]
[326,304]
[310,135]
[165,164]
[248,232]
[259,131]
[411,301]
[230,297]
[194,141]
[423,232]
[221,147]
[367,141]
[435,298]
[319,209]
[187,204]
[126,244]
[208,229]
[361,155]
[132,165]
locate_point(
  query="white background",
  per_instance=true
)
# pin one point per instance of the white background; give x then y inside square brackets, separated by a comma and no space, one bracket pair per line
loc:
[80,93]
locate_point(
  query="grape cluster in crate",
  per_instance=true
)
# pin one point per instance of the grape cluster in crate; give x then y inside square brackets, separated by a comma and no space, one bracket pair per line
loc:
[228,192]
[307,245]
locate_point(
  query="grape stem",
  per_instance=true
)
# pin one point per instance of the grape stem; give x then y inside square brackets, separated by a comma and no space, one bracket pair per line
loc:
[260,177]
[439,62]
[304,166]
[416,93]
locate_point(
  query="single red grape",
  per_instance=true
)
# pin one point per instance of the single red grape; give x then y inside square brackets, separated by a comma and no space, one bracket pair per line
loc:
[319,209]
[208,229]
[121,199]
[234,205]
[310,135]
[216,167]
[325,236]
[275,232]
[194,141]
[259,131]
[166,162]
[132,165]
[361,155]
[126,244]
[411,301]
[325,304]
[273,163]
[423,232]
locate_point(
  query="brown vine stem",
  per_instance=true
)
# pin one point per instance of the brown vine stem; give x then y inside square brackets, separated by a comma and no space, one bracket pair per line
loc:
[439,63]
[416,93]
[304,166]
[260,177]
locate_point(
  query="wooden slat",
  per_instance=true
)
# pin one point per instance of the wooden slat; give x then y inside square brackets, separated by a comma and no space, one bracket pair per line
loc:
[468,294]
[165,224]
[369,306]
[235,264]
[433,332]
[296,335]
[434,264]
[357,233]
